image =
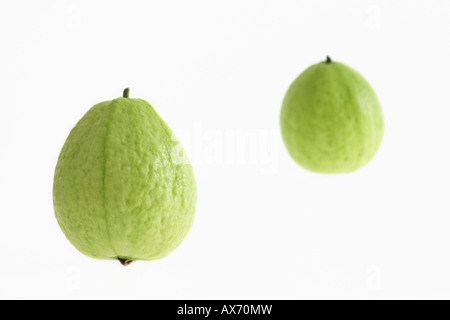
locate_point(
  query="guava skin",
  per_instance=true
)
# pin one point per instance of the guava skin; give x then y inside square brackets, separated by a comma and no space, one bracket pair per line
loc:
[331,119]
[123,188]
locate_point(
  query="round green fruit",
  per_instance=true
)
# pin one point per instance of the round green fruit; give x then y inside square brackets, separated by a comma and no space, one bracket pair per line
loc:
[123,188]
[331,119]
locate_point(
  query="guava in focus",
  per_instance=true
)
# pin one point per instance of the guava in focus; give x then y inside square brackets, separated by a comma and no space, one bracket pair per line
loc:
[123,187]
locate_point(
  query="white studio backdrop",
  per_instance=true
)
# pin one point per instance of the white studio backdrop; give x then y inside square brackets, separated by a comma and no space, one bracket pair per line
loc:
[216,72]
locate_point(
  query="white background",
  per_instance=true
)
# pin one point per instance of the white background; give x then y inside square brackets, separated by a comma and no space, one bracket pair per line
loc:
[216,72]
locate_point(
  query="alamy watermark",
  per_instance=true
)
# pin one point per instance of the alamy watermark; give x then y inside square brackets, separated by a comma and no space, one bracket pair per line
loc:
[232,147]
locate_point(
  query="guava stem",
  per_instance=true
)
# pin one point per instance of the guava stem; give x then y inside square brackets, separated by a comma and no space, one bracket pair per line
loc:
[329,60]
[125,262]
[126,93]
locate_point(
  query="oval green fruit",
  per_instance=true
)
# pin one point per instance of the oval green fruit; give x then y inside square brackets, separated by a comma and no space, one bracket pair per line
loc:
[123,188]
[331,119]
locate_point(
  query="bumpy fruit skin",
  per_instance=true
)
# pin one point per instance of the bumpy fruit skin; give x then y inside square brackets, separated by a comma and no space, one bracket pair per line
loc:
[123,188]
[331,119]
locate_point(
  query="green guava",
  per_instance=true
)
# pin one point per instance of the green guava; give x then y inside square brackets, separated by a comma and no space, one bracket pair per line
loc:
[331,119]
[123,187]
